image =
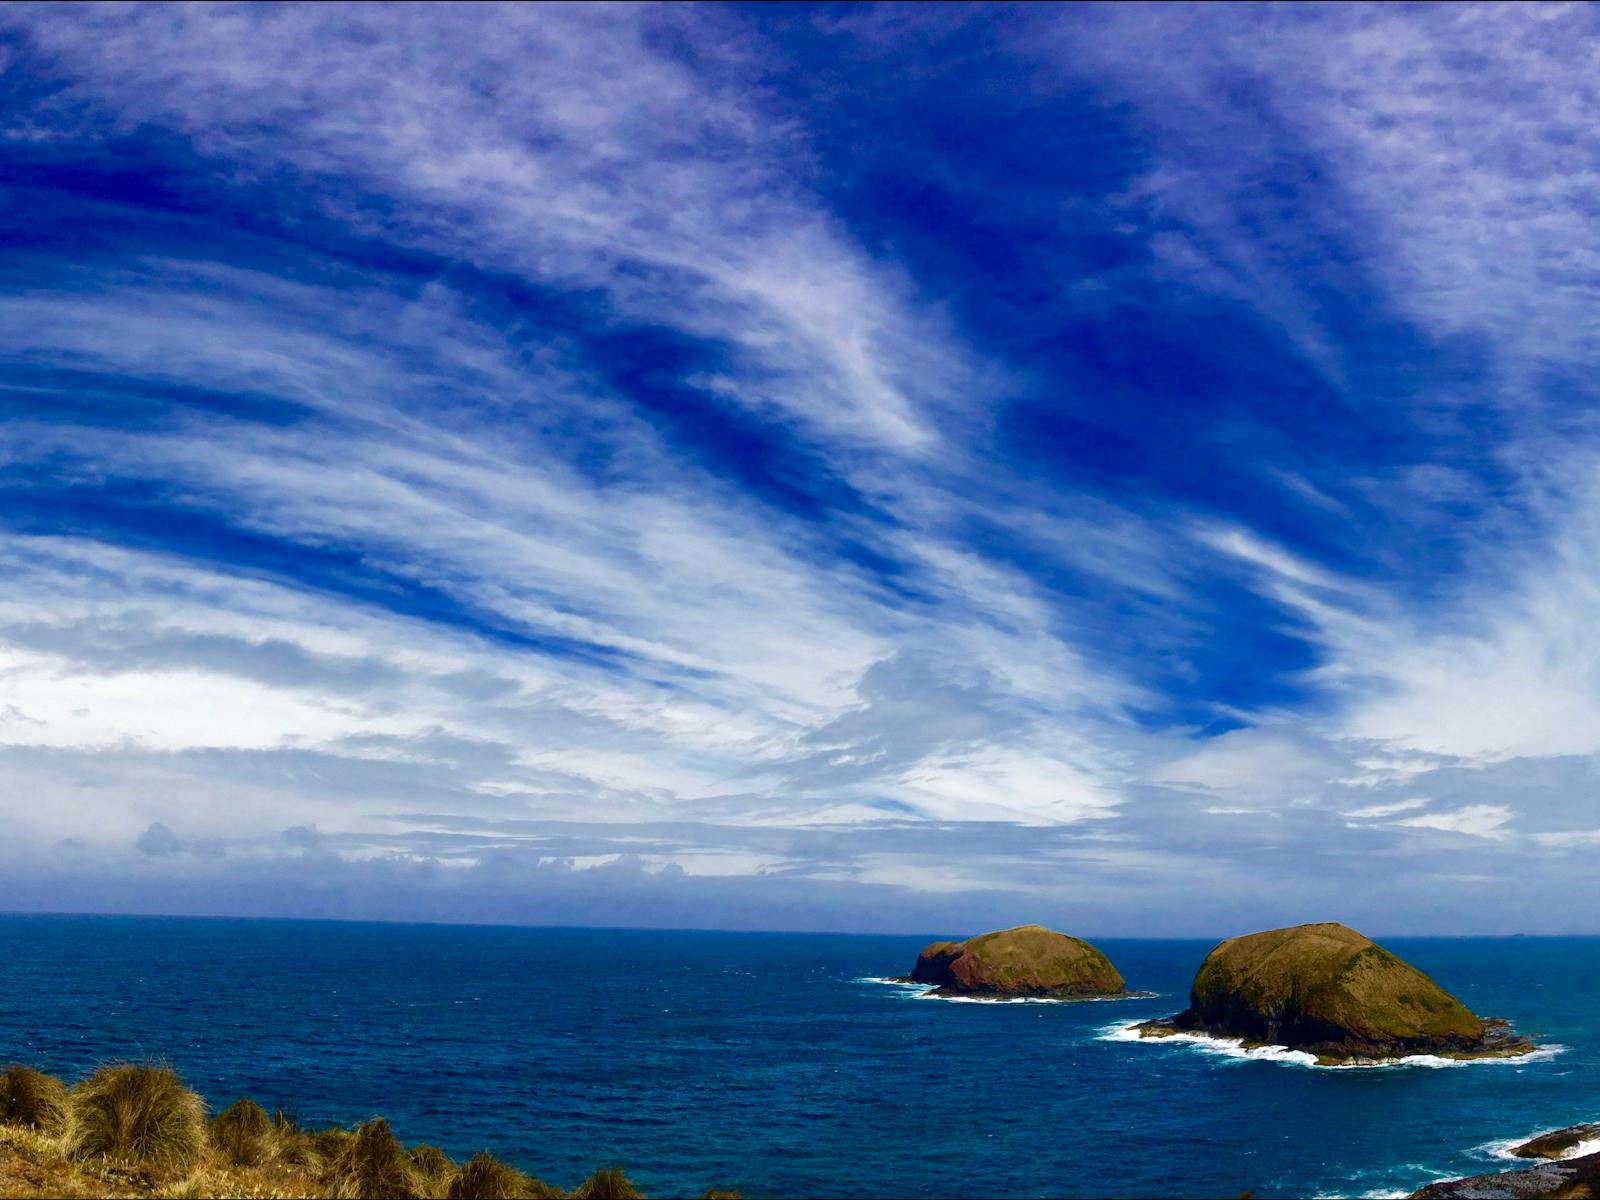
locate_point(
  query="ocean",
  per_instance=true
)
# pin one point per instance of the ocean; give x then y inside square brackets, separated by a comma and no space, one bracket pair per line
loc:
[782,1064]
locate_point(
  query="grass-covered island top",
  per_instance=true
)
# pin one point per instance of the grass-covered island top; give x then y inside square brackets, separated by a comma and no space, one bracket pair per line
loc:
[1028,960]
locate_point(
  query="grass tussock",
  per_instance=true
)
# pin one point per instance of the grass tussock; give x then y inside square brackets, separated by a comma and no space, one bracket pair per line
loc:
[33,1100]
[243,1134]
[136,1115]
[328,1144]
[293,1147]
[434,1169]
[485,1177]
[372,1165]
[134,1130]
[608,1183]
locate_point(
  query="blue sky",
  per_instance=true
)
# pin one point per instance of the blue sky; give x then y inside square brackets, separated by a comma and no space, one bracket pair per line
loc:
[838,467]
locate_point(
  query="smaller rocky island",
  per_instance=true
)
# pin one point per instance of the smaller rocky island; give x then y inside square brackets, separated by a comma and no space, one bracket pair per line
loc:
[1327,990]
[1027,961]
[1558,1177]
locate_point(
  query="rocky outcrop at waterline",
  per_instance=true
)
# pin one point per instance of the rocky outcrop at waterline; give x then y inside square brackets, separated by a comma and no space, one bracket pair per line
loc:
[1028,961]
[1328,990]
[1557,1178]
[1559,1144]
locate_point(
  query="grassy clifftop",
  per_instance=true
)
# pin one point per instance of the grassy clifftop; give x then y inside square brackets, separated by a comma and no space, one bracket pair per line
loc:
[133,1129]
[1327,974]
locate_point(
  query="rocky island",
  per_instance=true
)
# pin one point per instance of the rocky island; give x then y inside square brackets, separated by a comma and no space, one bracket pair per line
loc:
[1565,1173]
[1327,990]
[1027,961]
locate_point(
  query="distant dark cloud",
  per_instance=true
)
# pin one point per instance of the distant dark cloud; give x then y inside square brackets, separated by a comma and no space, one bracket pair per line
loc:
[159,842]
[306,837]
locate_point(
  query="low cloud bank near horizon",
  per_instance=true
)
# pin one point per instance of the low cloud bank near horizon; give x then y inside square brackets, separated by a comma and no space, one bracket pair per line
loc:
[588,465]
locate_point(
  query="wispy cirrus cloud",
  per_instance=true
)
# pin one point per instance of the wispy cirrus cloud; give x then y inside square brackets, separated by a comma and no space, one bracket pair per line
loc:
[584,463]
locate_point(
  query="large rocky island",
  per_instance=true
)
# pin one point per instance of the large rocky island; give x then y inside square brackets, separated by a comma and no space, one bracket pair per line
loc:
[1028,961]
[1328,990]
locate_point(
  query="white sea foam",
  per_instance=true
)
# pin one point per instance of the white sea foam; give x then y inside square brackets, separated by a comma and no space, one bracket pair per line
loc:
[1234,1048]
[1031,999]
[903,984]
[1419,1171]
[923,991]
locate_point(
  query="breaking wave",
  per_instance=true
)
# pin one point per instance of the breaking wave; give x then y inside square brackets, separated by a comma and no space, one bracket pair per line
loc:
[1234,1048]
[923,991]
[1502,1147]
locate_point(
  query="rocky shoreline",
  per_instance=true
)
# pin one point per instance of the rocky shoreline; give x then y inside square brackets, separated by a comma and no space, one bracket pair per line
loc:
[1499,1041]
[941,993]
[1555,1178]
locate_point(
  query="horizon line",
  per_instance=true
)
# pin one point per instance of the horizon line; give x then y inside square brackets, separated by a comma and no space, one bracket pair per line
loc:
[265,918]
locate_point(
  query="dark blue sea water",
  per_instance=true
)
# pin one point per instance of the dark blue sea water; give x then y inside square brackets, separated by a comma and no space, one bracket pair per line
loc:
[765,1062]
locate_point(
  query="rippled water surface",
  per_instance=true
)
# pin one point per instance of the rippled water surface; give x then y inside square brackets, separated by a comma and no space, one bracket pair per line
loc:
[774,1063]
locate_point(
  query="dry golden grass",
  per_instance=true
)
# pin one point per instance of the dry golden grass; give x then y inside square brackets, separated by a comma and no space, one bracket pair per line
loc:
[434,1170]
[294,1147]
[31,1164]
[32,1099]
[372,1165]
[243,1134]
[485,1177]
[136,1116]
[134,1131]
[608,1183]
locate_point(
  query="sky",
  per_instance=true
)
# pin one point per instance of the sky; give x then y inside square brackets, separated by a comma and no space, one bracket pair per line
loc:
[902,468]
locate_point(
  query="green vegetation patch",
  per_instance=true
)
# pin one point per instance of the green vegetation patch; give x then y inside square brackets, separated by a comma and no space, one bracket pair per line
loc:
[1329,974]
[1033,959]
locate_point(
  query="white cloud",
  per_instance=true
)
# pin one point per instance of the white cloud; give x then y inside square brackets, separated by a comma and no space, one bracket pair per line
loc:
[613,165]
[782,710]
[1475,820]
[1372,812]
